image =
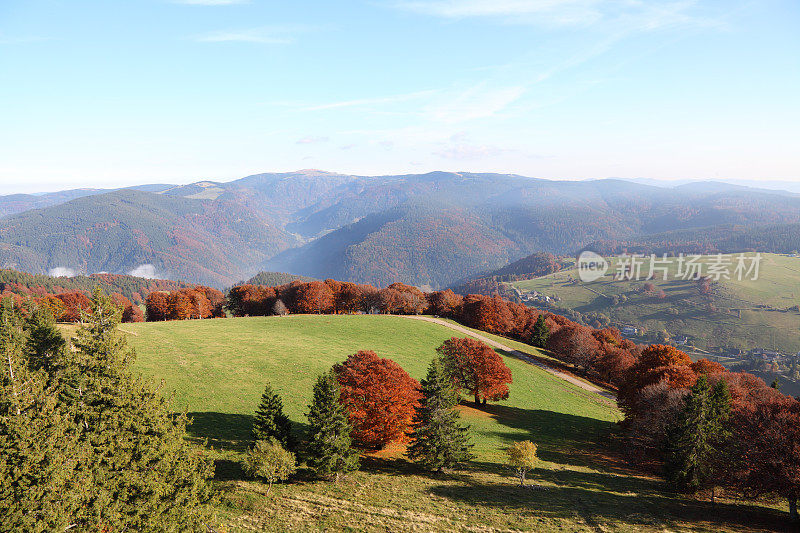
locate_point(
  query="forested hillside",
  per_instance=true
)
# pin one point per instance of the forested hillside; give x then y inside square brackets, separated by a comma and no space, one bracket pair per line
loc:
[215,242]
[430,230]
[134,288]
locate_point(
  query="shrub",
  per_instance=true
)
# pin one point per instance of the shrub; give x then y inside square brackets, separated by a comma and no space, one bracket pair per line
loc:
[268,460]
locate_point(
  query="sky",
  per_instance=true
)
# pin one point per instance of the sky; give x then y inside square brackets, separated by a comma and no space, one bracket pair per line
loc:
[114,93]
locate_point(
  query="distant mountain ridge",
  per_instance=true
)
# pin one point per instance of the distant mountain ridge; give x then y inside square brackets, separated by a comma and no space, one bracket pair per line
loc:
[429,230]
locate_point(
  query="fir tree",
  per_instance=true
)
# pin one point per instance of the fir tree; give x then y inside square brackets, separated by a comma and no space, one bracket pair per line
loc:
[697,436]
[45,344]
[541,333]
[329,448]
[438,440]
[41,483]
[270,420]
[144,475]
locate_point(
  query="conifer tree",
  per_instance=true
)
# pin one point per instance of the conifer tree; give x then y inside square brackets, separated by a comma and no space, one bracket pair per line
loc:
[329,449]
[270,420]
[45,344]
[438,440]
[40,480]
[697,436]
[144,476]
[541,333]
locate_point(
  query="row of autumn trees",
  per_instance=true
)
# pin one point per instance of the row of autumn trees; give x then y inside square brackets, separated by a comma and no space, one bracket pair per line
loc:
[85,445]
[368,402]
[68,306]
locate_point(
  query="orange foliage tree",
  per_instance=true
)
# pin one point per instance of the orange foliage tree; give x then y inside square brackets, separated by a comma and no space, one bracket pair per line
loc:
[313,297]
[476,368]
[380,398]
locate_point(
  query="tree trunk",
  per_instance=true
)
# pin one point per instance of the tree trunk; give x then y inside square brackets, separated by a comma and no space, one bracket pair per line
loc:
[793,506]
[477,400]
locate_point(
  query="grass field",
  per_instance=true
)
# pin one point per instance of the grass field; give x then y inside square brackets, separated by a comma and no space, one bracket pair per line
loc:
[743,314]
[216,370]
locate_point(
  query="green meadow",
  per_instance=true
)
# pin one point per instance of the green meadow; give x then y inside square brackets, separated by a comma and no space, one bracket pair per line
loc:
[216,370]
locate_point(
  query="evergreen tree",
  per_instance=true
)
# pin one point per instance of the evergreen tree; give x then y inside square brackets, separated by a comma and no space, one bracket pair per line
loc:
[541,333]
[270,420]
[45,344]
[698,436]
[329,448]
[144,476]
[41,483]
[438,440]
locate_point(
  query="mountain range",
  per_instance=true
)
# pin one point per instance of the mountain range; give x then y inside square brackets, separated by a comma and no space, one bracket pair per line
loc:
[429,230]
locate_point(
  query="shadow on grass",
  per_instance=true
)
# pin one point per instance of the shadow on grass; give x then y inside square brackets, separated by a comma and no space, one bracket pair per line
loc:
[612,500]
[222,431]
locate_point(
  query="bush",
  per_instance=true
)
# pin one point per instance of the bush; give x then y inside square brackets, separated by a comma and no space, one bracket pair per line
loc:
[522,457]
[268,460]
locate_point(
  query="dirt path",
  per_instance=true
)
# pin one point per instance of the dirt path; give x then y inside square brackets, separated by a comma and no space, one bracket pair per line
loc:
[520,355]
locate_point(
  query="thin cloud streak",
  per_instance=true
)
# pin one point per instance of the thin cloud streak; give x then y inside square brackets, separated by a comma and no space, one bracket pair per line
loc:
[365,102]
[262,35]
[211,2]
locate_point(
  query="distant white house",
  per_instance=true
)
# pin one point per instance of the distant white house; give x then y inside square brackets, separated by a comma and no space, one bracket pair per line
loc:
[629,330]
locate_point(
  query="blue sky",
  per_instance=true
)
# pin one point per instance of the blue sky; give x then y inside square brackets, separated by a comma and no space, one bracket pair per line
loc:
[110,93]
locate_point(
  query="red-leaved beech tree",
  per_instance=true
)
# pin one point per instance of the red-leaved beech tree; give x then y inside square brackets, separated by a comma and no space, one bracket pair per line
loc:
[657,362]
[574,344]
[74,303]
[380,398]
[476,369]
[130,312]
[768,435]
[313,297]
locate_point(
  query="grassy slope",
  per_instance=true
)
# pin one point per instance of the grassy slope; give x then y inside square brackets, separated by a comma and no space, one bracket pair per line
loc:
[216,369]
[684,311]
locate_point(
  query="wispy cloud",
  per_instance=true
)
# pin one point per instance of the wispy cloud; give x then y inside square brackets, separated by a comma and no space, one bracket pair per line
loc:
[211,2]
[366,102]
[263,35]
[473,103]
[312,140]
[7,39]
[645,15]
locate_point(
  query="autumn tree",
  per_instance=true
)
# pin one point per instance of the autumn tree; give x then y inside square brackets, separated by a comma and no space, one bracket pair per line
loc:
[74,304]
[329,448]
[314,297]
[438,440]
[157,306]
[380,398]
[767,434]
[656,363]
[575,345]
[279,308]
[444,303]
[522,458]
[475,368]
